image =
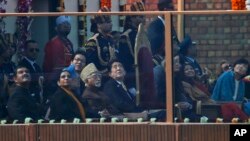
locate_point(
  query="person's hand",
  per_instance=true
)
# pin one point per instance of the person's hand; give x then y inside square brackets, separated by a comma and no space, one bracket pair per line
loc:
[184,106]
[202,77]
[104,113]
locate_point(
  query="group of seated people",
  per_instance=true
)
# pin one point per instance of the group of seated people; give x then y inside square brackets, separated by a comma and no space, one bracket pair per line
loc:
[82,91]
[98,80]
[65,87]
[194,87]
[91,98]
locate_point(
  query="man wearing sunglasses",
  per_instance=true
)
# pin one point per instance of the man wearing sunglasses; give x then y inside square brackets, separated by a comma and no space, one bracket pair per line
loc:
[29,61]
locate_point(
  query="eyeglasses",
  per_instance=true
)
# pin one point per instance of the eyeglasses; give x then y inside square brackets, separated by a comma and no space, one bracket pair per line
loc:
[79,60]
[34,49]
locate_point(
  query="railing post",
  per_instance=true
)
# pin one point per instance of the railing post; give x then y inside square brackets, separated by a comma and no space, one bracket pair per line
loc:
[180,20]
[169,66]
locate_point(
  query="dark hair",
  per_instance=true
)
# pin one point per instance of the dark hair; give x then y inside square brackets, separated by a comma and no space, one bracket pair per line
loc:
[18,67]
[58,74]
[162,4]
[111,63]
[241,61]
[79,51]
[245,62]
[28,42]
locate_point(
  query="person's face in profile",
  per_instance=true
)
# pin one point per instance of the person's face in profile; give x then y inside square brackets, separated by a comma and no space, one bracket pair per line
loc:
[241,69]
[117,71]
[177,64]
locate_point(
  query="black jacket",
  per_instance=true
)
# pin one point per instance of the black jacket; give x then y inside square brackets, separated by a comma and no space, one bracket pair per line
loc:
[126,54]
[21,105]
[3,97]
[35,74]
[120,97]
[156,35]
[63,106]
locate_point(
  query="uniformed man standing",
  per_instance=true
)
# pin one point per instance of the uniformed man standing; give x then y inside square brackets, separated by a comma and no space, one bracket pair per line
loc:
[57,54]
[127,40]
[99,48]
[126,53]
[59,50]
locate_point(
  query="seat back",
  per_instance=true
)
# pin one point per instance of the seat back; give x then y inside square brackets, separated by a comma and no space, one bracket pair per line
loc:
[214,110]
[145,96]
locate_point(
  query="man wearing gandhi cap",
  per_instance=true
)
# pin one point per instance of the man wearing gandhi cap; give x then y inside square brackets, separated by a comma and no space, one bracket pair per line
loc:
[99,48]
[98,104]
[59,50]
[89,72]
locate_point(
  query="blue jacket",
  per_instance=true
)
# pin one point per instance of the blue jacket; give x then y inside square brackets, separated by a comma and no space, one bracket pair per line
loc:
[225,87]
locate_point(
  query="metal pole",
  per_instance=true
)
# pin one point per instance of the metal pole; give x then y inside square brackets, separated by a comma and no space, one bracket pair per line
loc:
[169,66]
[180,20]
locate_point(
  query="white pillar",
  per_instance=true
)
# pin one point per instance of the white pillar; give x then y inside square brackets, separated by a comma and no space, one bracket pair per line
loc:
[72,6]
[115,19]
[180,20]
[92,6]
[10,21]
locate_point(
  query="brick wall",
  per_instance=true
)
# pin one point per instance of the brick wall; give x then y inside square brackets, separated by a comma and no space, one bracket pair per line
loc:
[218,37]
[150,5]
